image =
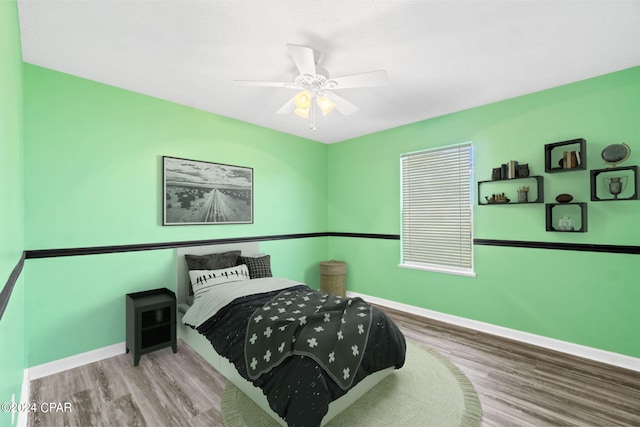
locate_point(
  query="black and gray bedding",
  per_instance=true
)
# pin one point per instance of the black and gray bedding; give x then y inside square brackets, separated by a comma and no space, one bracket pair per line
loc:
[331,330]
[301,347]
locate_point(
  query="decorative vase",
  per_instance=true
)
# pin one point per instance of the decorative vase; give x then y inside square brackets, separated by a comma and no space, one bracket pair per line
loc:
[523,196]
[616,186]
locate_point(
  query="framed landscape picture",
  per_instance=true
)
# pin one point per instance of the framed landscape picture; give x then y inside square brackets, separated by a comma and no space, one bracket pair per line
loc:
[197,192]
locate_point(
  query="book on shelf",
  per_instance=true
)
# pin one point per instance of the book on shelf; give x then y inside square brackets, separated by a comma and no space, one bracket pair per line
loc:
[570,159]
[512,169]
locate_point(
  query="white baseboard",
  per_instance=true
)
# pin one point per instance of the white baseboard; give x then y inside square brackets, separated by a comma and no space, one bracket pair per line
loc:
[591,353]
[75,361]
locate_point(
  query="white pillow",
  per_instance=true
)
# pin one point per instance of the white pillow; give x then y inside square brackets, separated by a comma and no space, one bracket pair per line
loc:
[203,281]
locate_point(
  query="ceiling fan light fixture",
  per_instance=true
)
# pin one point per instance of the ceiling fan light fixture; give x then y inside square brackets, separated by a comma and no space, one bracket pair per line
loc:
[326,105]
[303,100]
[302,112]
[316,89]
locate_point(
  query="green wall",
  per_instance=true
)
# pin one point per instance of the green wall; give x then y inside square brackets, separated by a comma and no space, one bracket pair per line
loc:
[93,177]
[12,356]
[581,297]
[93,168]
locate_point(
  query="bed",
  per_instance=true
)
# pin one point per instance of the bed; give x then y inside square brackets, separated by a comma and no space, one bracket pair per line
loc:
[297,385]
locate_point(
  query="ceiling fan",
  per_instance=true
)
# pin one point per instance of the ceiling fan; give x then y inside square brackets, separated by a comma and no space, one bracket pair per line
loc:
[316,89]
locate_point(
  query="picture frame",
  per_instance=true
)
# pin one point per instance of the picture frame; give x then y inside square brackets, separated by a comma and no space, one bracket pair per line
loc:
[198,192]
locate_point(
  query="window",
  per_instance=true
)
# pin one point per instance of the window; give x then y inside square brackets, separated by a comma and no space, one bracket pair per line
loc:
[437,210]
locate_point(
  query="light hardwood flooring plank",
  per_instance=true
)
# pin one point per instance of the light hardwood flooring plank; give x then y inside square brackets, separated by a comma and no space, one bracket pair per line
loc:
[518,385]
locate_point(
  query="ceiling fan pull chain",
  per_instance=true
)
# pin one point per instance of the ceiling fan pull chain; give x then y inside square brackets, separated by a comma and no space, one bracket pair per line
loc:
[312,114]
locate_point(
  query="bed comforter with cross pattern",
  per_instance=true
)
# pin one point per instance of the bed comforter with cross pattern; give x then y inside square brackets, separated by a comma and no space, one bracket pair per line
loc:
[304,348]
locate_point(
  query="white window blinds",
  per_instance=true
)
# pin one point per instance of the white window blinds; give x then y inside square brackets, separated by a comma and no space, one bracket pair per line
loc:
[437,210]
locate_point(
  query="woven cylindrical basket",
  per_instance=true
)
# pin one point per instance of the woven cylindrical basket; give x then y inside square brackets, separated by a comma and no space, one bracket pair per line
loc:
[333,277]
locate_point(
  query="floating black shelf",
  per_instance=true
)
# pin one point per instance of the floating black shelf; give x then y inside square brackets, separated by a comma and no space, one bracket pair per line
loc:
[554,159]
[552,225]
[539,187]
[632,180]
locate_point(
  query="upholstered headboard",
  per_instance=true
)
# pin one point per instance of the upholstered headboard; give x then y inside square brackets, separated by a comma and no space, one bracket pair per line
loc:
[248,249]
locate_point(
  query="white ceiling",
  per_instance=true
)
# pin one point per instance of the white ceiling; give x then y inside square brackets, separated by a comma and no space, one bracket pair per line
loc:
[440,56]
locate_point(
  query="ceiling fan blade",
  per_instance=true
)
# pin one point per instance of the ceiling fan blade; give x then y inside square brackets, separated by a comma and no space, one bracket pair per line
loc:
[270,84]
[303,58]
[342,105]
[369,79]
[288,107]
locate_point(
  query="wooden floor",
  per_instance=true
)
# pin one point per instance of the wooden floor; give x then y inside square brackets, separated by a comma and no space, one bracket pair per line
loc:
[518,385]
[524,385]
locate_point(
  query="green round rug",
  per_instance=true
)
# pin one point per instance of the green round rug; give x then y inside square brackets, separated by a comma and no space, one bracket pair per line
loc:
[429,390]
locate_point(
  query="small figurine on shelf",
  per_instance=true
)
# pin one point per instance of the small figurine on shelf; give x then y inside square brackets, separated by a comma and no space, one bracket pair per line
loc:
[523,194]
[564,198]
[497,198]
[565,223]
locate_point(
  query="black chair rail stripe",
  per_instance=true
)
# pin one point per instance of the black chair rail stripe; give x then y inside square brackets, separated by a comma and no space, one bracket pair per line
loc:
[580,247]
[7,290]
[95,250]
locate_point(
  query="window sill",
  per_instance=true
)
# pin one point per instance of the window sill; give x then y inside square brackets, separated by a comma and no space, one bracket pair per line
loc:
[439,269]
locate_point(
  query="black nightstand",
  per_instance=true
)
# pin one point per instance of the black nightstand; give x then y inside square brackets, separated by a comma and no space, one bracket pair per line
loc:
[151,322]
